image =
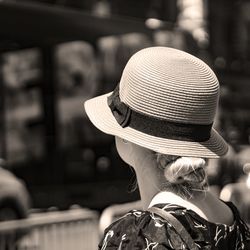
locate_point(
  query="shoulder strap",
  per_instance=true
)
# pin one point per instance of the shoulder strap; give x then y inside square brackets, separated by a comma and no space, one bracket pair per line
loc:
[179,228]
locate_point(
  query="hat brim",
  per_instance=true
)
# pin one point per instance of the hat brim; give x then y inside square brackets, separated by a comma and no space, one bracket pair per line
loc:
[101,116]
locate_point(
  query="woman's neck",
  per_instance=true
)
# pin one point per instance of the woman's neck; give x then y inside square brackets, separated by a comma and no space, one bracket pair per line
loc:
[148,176]
[148,189]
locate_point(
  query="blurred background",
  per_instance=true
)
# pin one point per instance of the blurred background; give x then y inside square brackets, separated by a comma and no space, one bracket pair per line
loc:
[55,54]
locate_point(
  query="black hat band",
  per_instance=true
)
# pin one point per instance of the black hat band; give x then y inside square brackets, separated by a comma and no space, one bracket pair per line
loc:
[125,116]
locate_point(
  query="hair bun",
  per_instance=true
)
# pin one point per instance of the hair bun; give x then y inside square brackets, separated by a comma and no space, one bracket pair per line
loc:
[185,169]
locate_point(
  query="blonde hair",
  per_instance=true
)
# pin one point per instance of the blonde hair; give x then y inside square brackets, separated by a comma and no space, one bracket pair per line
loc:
[185,176]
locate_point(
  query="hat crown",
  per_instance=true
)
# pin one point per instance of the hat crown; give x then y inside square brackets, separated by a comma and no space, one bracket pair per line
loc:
[170,84]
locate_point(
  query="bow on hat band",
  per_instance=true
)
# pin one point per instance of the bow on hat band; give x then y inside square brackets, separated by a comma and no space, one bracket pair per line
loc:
[125,116]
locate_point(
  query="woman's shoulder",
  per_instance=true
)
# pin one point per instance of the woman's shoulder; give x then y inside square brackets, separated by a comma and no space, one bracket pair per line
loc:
[138,229]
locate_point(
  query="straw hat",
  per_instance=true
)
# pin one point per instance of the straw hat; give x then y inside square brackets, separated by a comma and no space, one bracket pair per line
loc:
[166,101]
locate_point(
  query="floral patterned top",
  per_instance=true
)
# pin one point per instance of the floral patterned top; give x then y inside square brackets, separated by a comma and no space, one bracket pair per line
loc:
[143,230]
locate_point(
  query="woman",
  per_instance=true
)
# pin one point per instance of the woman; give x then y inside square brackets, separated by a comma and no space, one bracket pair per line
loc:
[161,114]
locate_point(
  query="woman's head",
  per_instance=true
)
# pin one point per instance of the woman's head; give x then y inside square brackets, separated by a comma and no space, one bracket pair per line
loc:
[163,110]
[166,101]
